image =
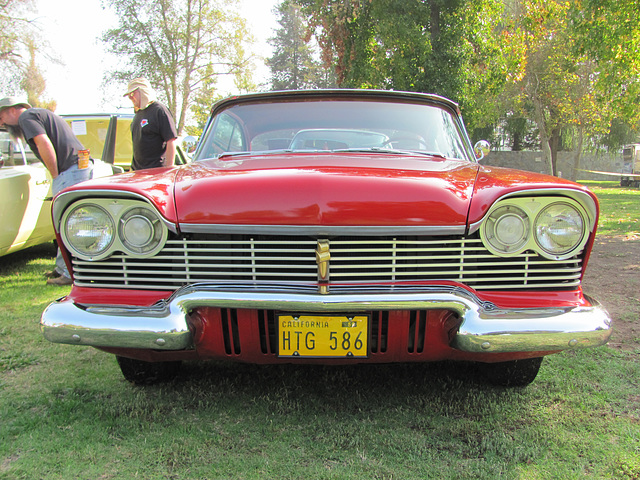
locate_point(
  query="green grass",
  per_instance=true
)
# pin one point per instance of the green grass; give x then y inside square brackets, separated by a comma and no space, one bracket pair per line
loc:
[619,208]
[67,413]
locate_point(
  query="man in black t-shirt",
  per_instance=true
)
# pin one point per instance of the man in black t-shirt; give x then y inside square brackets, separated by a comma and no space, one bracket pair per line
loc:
[53,142]
[153,130]
[48,135]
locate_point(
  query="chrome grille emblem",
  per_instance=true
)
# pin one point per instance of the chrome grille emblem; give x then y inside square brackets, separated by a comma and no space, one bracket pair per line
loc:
[323,257]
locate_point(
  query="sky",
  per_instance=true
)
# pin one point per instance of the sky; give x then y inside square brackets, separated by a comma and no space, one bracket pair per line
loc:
[73,29]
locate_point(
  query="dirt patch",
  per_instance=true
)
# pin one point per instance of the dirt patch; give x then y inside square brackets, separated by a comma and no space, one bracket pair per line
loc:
[613,278]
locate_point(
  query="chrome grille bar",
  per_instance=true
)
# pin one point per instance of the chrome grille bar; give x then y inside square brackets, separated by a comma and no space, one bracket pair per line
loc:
[268,259]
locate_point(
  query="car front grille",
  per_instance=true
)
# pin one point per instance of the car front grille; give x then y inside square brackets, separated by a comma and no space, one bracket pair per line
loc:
[350,261]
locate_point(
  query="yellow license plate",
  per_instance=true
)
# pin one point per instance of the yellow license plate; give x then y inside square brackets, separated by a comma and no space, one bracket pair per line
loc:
[323,336]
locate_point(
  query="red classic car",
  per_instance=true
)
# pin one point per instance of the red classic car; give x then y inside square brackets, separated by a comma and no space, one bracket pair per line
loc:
[331,227]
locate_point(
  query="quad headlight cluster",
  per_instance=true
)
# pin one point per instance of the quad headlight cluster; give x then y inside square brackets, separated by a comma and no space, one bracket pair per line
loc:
[95,229]
[556,228]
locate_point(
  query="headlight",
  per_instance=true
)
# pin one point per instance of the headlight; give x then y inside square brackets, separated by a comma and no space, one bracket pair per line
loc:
[140,230]
[553,227]
[506,230]
[559,228]
[89,230]
[96,229]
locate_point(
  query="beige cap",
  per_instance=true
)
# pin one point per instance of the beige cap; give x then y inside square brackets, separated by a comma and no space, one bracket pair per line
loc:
[137,83]
[8,102]
[147,94]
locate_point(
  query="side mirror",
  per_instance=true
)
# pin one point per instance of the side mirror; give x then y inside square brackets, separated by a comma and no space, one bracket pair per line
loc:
[481,149]
[189,144]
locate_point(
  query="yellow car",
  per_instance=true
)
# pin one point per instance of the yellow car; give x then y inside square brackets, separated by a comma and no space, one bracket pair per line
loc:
[25,184]
[25,195]
[92,130]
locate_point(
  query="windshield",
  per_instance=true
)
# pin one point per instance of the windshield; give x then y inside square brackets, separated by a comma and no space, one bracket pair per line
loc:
[303,125]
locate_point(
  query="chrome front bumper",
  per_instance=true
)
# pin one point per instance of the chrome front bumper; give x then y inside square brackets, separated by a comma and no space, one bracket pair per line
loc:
[483,328]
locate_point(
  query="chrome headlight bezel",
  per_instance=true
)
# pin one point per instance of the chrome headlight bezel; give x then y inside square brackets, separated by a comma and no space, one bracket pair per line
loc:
[120,213]
[506,229]
[74,236]
[140,231]
[544,236]
[530,211]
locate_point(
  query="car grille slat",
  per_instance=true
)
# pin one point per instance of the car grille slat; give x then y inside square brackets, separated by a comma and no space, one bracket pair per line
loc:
[353,260]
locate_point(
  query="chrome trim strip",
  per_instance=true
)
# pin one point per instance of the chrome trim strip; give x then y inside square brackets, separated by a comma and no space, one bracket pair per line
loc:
[321,230]
[484,328]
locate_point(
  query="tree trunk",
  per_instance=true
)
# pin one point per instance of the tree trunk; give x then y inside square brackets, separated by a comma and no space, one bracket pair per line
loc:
[577,155]
[544,136]
[554,142]
[435,21]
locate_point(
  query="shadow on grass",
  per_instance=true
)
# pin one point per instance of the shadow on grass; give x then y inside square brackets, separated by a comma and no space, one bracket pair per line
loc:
[447,387]
[21,259]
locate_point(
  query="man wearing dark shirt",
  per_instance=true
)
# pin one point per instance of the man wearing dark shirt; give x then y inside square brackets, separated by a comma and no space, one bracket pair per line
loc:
[153,130]
[53,142]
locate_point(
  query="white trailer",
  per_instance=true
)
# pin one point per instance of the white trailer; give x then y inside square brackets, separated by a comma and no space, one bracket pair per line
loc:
[630,166]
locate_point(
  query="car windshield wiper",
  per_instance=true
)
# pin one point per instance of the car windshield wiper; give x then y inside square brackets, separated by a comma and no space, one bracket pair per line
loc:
[340,150]
[245,153]
[392,151]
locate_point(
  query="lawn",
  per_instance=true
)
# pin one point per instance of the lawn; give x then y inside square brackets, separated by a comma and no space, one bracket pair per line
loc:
[619,208]
[67,413]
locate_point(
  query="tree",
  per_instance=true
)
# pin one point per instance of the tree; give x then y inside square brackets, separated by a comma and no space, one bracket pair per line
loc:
[292,64]
[14,27]
[554,85]
[19,44]
[569,67]
[33,83]
[436,46]
[181,46]
[609,33]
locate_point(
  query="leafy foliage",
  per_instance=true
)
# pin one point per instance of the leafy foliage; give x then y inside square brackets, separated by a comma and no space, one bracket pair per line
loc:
[436,46]
[567,67]
[609,33]
[293,65]
[181,46]
[19,45]
[553,86]
[14,25]
[33,82]
[568,82]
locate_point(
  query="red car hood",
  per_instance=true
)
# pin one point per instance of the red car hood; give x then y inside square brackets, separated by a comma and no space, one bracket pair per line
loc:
[326,189]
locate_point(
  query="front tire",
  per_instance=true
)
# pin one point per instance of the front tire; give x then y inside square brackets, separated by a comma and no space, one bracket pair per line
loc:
[147,373]
[516,373]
